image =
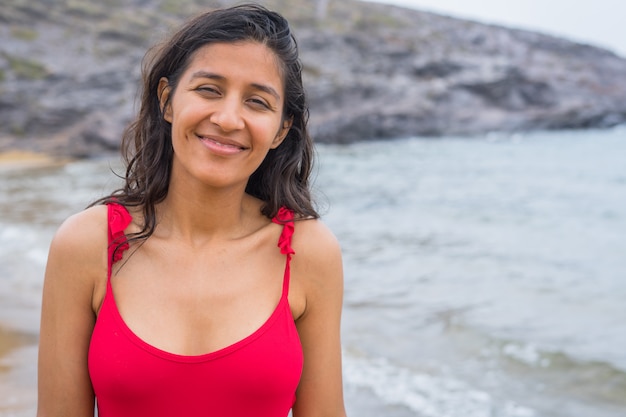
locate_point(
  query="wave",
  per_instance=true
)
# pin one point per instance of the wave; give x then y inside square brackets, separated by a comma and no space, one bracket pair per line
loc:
[427,394]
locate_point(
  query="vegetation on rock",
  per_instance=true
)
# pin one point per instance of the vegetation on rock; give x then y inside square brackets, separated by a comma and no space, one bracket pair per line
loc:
[69,72]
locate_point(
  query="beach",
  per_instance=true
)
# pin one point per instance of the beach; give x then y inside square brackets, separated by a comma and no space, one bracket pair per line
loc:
[17,373]
[19,320]
[483,276]
[21,159]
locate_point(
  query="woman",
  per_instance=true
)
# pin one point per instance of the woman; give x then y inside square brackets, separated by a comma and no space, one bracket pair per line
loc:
[220,292]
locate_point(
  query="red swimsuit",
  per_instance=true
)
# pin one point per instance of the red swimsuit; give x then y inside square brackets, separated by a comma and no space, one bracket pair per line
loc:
[254,377]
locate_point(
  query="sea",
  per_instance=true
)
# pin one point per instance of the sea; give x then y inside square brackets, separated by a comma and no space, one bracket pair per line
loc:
[484,276]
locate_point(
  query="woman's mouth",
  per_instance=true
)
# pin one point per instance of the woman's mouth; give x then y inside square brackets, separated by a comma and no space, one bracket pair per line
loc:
[221,146]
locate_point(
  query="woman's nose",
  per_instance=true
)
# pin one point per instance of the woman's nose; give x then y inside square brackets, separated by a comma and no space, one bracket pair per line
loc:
[227,115]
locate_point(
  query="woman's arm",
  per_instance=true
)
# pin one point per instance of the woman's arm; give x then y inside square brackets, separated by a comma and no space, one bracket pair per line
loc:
[317,267]
[76,261]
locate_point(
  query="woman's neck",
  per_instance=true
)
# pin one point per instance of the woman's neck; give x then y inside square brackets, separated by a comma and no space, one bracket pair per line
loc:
[195,215]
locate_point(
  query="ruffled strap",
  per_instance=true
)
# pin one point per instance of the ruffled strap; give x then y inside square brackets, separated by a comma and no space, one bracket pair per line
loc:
[285,218]
[118,219]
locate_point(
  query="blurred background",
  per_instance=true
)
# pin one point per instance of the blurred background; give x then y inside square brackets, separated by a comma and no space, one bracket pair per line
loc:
[595,22]
[471,161]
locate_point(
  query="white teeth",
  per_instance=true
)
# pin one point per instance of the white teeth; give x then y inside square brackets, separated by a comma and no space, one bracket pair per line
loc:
[223,145]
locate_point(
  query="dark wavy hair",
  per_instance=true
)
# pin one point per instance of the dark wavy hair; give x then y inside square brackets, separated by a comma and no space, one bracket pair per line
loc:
[282,179]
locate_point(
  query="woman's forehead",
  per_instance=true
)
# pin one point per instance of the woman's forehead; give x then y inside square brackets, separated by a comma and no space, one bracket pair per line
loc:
[249,55]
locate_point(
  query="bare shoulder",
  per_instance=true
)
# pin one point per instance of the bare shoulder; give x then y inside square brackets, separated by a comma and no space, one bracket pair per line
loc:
[317,263]
[83,232]
[318,275]
[78,249]
[313,241]
[75,272]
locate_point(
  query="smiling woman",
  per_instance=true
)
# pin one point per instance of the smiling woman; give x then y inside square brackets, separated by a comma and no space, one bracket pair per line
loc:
[227,109]
[206,285]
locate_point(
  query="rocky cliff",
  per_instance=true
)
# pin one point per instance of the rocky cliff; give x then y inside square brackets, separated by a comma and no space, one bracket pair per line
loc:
[69,72]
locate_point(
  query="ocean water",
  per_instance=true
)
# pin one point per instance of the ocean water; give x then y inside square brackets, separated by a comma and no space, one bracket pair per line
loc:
[484,277]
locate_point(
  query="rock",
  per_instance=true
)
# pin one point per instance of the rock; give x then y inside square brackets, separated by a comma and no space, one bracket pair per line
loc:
[98,131]
[69,73]
[437,69]
[514,91]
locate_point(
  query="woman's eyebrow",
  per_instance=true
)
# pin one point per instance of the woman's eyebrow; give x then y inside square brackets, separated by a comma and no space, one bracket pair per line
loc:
[205,74]
[212,76]
[267,89]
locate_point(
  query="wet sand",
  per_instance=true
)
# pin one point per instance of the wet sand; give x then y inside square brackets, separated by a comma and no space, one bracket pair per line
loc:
[18,349]
[23,157]
[18,373]
[16,158]
[11,340]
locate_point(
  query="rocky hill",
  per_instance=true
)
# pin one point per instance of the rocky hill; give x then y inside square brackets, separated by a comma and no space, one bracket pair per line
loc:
[69,72]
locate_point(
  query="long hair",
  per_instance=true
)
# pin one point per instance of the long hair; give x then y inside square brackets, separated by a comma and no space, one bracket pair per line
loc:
[282,179]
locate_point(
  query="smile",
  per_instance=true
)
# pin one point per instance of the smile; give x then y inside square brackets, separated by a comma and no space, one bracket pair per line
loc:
[221,146]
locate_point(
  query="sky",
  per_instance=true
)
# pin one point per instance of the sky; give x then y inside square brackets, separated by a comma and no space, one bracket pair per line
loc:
[596,22]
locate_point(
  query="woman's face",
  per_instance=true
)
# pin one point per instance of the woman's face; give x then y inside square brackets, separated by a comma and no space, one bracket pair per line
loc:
[226,113]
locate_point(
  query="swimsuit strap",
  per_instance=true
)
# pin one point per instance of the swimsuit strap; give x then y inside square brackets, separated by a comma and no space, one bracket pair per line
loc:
[118,220]
[285,217]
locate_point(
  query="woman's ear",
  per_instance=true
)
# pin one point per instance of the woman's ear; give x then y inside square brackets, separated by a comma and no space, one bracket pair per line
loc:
[163,92]
[282,133]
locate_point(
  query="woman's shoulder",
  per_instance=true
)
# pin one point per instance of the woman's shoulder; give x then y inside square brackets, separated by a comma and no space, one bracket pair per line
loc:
[77,261]
[314,234]
[89,218]
[316,247]
[317,272]
[82,232]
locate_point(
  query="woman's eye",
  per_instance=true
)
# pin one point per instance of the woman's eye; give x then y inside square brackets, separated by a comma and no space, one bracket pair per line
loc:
[208,89]
[259,102]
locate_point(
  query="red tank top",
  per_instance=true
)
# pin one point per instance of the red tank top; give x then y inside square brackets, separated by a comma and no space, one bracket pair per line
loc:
[256,376]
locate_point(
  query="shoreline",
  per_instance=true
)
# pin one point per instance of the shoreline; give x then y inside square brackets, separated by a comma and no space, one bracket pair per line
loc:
[18,372]
[21,159]
[10,341]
